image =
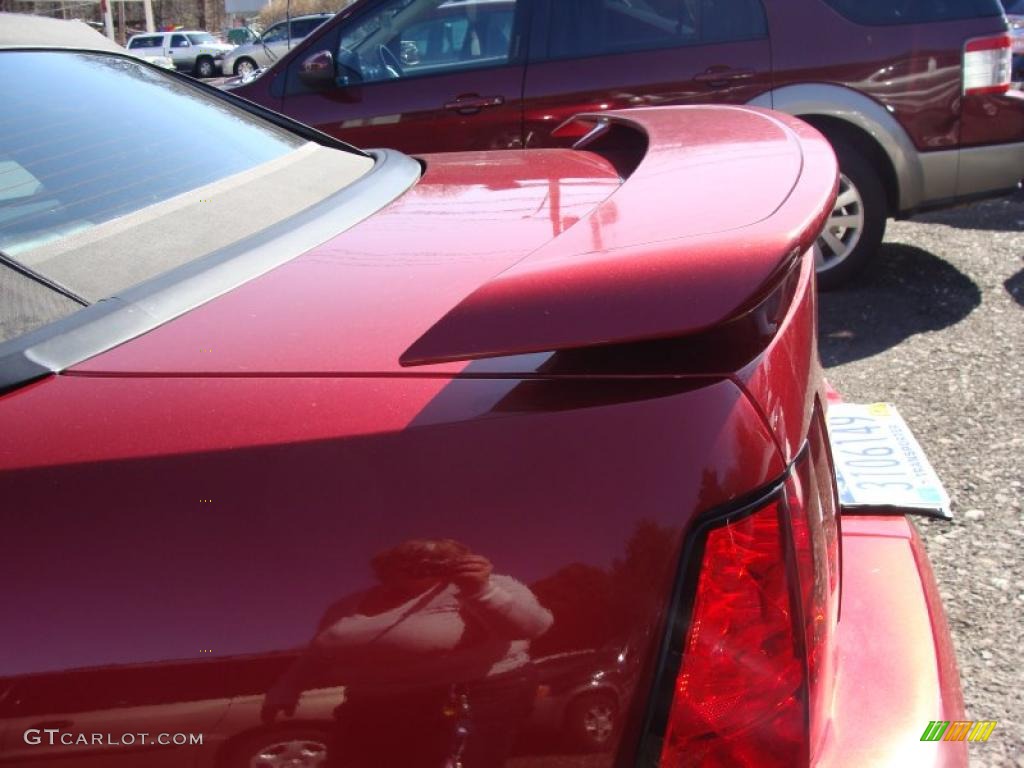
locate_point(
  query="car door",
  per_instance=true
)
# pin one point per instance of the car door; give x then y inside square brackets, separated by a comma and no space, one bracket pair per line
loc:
[417,75]
[112,716]
[180,51]
[588,55]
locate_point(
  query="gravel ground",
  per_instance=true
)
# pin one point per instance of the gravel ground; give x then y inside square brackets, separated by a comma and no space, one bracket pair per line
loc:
[938,328]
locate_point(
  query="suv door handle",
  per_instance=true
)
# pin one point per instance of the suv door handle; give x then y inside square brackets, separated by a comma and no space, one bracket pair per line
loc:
[471,103]
[718,78]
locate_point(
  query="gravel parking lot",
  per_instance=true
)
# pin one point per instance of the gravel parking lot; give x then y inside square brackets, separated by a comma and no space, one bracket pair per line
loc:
[938,328]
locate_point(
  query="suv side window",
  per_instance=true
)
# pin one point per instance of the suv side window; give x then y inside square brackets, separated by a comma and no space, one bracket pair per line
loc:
[145,42]
[179,41]
[580,28]
[406,38]
[889,12]
[303,27]
[276,34]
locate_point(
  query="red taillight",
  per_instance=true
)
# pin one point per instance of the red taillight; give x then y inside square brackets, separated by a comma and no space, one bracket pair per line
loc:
[988,63]
[740,693]
[755,681]
[812,517]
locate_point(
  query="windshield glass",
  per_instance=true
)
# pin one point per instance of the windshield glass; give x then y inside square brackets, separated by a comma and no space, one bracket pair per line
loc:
[198,38]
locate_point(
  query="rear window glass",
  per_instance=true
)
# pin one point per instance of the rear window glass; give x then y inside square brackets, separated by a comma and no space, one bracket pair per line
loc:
[887,12]
[92,150]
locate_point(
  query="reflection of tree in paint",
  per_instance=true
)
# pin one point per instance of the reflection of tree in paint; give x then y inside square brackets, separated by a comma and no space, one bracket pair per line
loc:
[595,607]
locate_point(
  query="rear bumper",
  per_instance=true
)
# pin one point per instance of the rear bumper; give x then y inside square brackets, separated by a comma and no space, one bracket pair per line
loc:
[957,176]
[987,169]
[896,667]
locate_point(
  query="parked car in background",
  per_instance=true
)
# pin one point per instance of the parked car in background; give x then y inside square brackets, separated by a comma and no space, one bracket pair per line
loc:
[272,44]
[238,35]
[199,53]
[65,33]
[912,95]
[289,424]
[580,697]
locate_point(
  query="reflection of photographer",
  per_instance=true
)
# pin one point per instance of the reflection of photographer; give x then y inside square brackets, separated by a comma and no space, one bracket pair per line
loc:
[434,660]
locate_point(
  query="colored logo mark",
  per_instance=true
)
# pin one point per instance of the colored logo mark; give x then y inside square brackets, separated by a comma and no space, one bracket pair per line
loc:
[958,730]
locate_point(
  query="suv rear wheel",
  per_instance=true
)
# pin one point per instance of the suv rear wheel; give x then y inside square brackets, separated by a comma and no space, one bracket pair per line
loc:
[285,747]
[245,67]
[591,722]
[855,228]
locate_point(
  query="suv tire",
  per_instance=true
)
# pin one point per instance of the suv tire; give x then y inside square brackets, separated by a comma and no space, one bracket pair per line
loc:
[301,746]
[205,67]
[245,66]
[854,231]
[591,722]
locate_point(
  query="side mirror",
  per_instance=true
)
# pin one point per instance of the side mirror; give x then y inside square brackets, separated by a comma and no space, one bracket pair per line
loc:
[317,70]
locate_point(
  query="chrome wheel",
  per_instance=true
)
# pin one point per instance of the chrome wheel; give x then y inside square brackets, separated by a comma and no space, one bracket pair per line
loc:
[244,68]
[599,722]
[843,228]
[290,754]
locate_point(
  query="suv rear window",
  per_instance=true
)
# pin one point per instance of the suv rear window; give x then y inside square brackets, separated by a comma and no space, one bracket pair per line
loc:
[888,12]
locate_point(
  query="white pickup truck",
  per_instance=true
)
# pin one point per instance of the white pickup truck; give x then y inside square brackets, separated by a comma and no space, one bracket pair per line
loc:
[197,52]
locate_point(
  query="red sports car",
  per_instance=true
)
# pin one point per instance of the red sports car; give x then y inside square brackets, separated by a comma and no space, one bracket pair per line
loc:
[320,457]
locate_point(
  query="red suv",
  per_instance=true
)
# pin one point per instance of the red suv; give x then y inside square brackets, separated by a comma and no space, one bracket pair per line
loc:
[913,94]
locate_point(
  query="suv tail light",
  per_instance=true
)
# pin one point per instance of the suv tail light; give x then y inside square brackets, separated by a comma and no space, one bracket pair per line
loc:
[756,676]
[988,62]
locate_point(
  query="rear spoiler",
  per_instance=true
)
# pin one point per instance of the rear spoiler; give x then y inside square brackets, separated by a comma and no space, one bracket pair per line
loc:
[716,205]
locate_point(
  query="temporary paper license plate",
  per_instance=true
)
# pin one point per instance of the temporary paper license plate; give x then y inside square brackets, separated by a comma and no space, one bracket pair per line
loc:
[878,462]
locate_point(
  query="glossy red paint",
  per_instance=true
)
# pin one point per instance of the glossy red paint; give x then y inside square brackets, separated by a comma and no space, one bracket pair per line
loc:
[896,663]
[511,247]
[787,404]
[357,302]
[555,90]
[190,518]
[641,274]
[167,520]
[915,75]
